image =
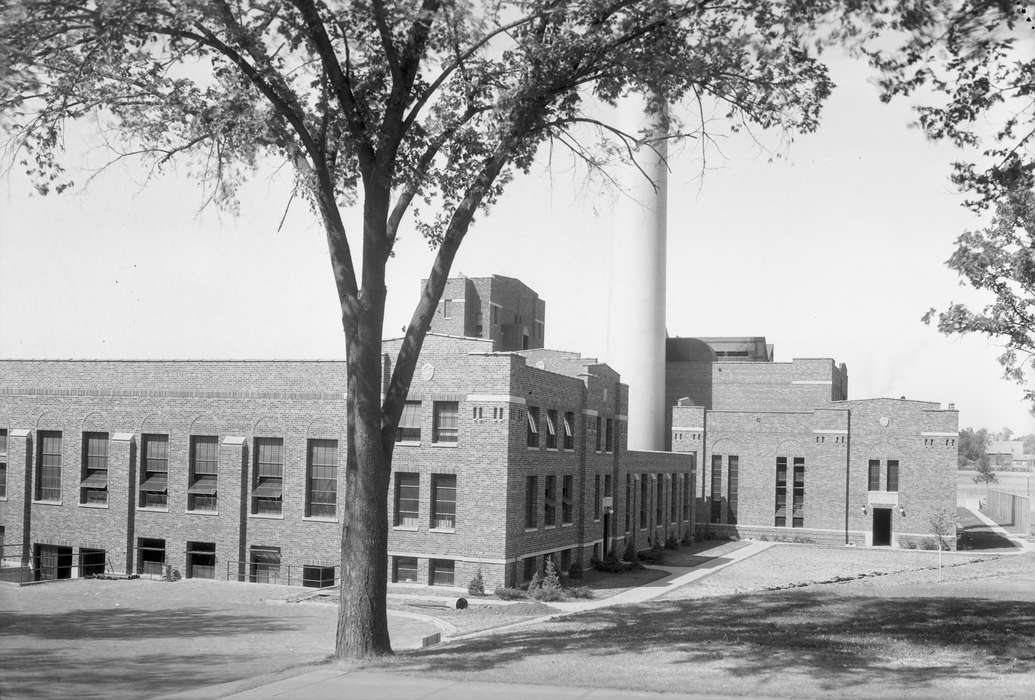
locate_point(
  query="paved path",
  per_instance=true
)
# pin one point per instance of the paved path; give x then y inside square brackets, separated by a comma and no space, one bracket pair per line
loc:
[337,684]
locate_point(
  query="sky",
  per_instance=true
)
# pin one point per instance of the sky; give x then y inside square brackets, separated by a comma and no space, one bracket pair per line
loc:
[834,249]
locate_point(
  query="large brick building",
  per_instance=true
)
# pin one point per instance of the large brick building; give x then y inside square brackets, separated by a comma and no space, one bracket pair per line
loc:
[506,453]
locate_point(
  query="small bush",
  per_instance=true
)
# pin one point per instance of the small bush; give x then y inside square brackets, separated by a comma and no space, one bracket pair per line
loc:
[610,565]
[630,552]
[764,538]
[928,543]
[575,570]
[671,542]
[171,574]
[654,555]
[688,538]
[579,592]
[549,588]
[477,584]
[509,593]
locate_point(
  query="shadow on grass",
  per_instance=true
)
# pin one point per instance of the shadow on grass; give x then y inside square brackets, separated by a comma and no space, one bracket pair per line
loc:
[130,623]
[975,535]
[839,641]
[52,674]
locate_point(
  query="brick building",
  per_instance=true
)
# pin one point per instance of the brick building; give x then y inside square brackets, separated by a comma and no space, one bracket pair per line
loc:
[785,454]
[506,453]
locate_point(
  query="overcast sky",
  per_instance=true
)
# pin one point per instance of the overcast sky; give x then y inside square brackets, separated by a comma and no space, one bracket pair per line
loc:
[835,250]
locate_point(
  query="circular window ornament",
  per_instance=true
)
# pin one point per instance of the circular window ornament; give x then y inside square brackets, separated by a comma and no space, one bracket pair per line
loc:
[427,372]
[884,421]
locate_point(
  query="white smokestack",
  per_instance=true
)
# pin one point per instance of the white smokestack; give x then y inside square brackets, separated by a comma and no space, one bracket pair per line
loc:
[636,329]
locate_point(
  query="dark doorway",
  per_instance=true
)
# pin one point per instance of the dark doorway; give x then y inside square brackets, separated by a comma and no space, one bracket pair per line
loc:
[606,548]
[52,562]
[91,562]
[882,527]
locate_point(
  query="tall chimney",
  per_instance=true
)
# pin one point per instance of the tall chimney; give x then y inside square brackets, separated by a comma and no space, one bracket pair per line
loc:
[636,326]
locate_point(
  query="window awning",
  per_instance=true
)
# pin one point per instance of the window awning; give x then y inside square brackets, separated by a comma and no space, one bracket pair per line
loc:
[159,482]
[268,489]
[96,480]
[205,485]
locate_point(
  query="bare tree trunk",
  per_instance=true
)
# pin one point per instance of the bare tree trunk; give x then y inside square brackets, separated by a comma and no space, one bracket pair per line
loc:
[363,619]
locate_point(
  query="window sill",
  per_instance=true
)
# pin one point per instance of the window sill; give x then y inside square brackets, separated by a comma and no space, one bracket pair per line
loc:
[99,506]
[549,527]
[444,444]
[406,528]
[145,509]
[443,530]
[202,512]
[571,524]
[532,447]
[596,520]
[552,449]
[311,519]
[531,529]
[266,516]
[407,443]
[46,503]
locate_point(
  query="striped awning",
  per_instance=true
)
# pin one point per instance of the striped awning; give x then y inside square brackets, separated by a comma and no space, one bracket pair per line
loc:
[205,485]
[157,483]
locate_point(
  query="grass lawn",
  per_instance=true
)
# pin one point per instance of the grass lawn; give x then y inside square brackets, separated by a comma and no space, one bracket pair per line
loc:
[140,638]
[970,633]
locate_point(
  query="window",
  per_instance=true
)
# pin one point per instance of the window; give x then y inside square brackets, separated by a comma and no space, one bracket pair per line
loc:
[643,501]
[404,569]
[732,486]
[674,496]
[569,431]
[716,489]
[150,556]
[533,427]
[317,576]
[686,496]
[201,560]
[596,497]
[321,493]
[443,501]
[92,561]
[264,564]
[599,434]
[551,429]
[781,492]
[550,501]
[3,470]
[268,484]
[659,499]
[476,414]
[445,427]
[93,489]
[407,500]
[447,311]
[628,500]
[892,475]
[528,567]
[204,473]
[565,561]
[531,501]
[408,429]
[798,512]
[609,434]
[607,485]
[874,475]
[48,467]
[440,572]
[154,471]
[567,510]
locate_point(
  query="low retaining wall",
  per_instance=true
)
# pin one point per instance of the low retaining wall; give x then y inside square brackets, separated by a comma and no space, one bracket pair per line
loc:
[1011,511]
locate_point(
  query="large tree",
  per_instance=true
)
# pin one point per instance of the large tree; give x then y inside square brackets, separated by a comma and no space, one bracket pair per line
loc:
[429,104]
[971,68]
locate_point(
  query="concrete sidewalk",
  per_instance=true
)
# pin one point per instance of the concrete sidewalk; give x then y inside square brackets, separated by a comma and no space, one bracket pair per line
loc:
[1023,544]
[337,684]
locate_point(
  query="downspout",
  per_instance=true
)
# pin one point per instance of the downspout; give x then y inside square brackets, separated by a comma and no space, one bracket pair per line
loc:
[848,470]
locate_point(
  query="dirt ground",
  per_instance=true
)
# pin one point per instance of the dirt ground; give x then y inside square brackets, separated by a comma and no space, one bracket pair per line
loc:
[964,631]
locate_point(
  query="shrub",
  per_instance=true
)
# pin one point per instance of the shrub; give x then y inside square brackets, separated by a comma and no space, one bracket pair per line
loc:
[509,593]
[579,592]
[549,588]
[671,542]
[630,552]
[688,538]
[610,565]
[535,582]
[654,555]
[170,574]
[477,584]
[575,570]
[928,543]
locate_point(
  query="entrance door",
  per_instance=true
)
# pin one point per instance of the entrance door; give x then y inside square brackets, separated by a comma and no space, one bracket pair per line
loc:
[607,534]
[882,527]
